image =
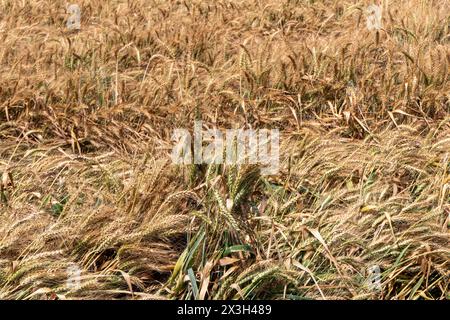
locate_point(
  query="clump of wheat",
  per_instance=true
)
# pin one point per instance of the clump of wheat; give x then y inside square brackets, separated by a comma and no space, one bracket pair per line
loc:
[86,119]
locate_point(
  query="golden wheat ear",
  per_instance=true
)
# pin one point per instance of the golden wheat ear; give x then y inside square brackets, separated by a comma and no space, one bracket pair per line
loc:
[93,207]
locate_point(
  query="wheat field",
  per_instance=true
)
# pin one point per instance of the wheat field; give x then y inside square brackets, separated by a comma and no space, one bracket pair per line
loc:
[86,124]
